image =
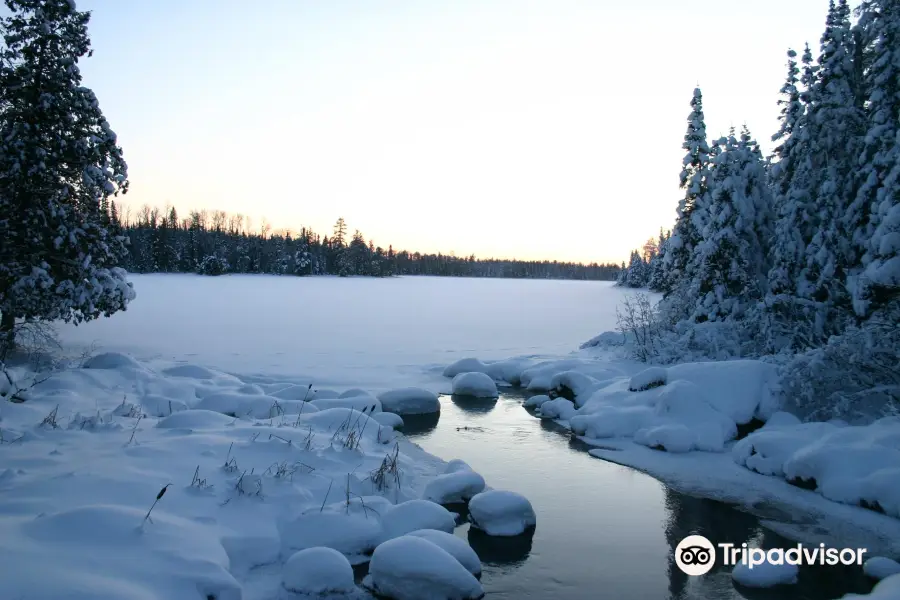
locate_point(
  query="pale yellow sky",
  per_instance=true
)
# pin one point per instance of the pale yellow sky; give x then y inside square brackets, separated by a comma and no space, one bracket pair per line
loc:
[534,129]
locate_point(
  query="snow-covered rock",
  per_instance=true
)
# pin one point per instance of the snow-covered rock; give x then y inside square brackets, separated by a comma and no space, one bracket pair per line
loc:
[501,513]
[886,589]
[536,401]
[416,514]
[457,464]
[453,546]
[318,571]
[458,486]
[353,535]
[354,393]
[648,378]
[559,408]
[673,437]
[389,419]
[366,403]
[574,383]
[881,567]
[477,385]
[765,575]
[413,568]
[410,401]
[465,365]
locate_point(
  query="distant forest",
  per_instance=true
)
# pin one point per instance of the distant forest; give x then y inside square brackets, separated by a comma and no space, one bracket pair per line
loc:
[215,243]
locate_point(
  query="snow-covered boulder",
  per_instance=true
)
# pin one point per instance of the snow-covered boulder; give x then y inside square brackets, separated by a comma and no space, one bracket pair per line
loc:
[318,571]
[781,419]
[465,365]
[881,567]
[459,486]
[413,568]
[765,575]
[411,515]
[367,404]
[557,409]
[354,393]
[453,546]
[648,379]
[457,464]
[536,401]
[353,535]
[886,589]
[389,419]
[672,437]
[574,385]
[501,513]
[477,385]
[410,401]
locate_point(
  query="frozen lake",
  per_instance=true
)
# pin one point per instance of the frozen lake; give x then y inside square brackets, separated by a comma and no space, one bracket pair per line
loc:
[355,331]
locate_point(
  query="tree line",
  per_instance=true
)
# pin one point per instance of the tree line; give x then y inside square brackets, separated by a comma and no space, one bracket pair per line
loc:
[214,243]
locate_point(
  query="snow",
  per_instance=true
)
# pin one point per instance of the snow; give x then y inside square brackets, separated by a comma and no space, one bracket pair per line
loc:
[559,408]
[501,513]
[368,404]
[465,365]
[536,401]
[477,385]
[318,571]
[410,401]
[413,568]
[389,419]
[416,514]
[648,378]
[766,575]
[353,535]
[458,486]
[881,567]
[454,546]
[886,589]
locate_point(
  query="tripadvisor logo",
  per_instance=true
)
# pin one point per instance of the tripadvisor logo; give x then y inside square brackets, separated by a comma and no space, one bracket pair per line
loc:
[695,555]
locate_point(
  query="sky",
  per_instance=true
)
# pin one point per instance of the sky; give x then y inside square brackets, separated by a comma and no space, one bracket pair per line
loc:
[508,128]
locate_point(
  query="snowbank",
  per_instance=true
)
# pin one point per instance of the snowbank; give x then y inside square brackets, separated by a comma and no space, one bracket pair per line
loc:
[413,568]
[881,567]
[318,571]
[410,401]
[765,575]
[477,385]
[458,486]
[501,513]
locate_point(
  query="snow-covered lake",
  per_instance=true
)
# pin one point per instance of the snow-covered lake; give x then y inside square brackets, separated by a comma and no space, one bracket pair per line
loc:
[356,331]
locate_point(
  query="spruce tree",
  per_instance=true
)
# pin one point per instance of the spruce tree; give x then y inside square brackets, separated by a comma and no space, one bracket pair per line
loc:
[59,164]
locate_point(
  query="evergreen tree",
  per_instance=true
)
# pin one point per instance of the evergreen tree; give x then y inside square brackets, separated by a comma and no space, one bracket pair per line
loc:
[59,164]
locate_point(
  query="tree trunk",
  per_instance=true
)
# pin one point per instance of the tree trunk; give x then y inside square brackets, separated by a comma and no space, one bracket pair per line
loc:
[7,333]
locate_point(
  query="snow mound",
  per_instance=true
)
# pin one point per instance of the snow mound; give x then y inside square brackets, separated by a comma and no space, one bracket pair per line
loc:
[353,535]
[367,404]
[607,338]
[453,546]
[536,401]
[466,365]
[194,419]
[459,486]
[881,567]
[354,393]
[648,378]
[411,515]
[781,419]
[886,589]
[477,385]
[111,361]
[160,406]
[323,394]
[739,389]
[190,372]
[501,513]
[673,437]
[574,385]
[413,568]
[389,419]
[765,575]
[102,552]
[294,392]
[410,401]
[557,409]
[318,571]
[457,464]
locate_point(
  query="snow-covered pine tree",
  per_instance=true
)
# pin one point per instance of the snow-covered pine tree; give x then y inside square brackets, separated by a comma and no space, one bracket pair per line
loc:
[870,217]
[694,174]
[838,128]
[657,267]
[59,164]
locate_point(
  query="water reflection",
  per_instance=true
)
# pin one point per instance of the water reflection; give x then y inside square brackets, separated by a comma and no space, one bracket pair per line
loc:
[508,552]
[414,425]
[474,405]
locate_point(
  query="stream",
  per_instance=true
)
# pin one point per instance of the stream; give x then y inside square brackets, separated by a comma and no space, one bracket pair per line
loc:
[603,530]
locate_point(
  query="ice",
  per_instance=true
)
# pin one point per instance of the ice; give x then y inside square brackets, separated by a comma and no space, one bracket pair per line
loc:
[881,567]
[416,514]
[501,513]
[458,486]
[454,546]
[318,571]
[536,401]
[560,408]
[648,378]
[765,575]
[413,568]
[477,385]
[389,419]
[410,401]
[886,589]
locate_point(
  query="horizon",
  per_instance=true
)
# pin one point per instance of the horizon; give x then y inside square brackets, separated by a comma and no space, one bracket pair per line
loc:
[417,121]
